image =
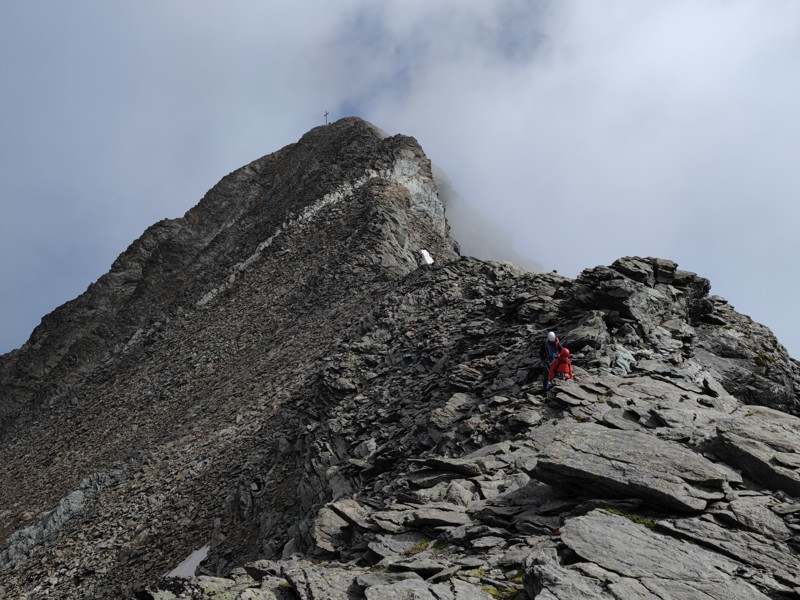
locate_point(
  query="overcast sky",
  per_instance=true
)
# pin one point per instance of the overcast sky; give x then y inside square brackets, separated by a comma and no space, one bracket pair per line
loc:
[589,130]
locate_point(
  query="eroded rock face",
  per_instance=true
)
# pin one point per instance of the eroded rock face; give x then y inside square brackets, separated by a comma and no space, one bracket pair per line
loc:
[335,418]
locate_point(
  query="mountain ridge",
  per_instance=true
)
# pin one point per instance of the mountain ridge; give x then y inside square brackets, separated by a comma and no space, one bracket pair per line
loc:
[122,297]
[281,376]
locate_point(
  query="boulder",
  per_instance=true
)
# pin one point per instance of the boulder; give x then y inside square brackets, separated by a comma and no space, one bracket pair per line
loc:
[664,566]
[765,444]
[628,464]
[769,556]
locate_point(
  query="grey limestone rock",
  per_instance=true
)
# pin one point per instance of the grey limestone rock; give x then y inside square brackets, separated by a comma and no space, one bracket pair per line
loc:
[386,545]
[765,443]
[663,565]
[546,579]
[772,557]
[321,582]
[614,463]
[408,589]
[438,517]
[425,567]
[755,514]
[329,530]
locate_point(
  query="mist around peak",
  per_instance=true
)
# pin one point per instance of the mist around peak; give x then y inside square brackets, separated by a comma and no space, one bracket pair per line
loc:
[476,234]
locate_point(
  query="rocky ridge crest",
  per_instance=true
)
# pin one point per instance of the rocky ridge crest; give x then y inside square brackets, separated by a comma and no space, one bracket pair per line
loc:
[336,419]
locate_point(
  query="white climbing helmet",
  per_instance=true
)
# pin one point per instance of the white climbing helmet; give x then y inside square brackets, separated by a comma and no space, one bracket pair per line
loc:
[551,337]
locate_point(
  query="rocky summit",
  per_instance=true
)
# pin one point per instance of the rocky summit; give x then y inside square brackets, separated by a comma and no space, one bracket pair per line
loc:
[300,390]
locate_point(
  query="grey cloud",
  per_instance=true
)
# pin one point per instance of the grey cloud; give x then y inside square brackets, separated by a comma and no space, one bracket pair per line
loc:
[478,235]
[657,131]
[587,130]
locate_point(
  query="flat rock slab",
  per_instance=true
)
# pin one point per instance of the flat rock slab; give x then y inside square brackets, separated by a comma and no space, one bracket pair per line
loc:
[628,464]
[366,580]
[353,512]
[548,580]
[663,567]
[572,394]
[452,465]
[418,590]
[321,582]
[754,514]
[438,518]
[394,545]
[750,548]
[328,529]
[765,444]
[488,542]
[425,567]
[402,590]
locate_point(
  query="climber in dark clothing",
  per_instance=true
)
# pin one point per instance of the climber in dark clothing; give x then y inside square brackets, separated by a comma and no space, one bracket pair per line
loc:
[551,347]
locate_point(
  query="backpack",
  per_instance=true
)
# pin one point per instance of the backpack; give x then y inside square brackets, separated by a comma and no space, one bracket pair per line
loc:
[549,351]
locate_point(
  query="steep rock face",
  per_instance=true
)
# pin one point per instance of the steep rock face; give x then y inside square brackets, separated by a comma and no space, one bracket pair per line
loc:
[175,263]
[199,354]
[334,418]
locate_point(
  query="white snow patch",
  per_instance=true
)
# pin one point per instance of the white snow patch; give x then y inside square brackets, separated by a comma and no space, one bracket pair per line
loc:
[427,256]
[188,566]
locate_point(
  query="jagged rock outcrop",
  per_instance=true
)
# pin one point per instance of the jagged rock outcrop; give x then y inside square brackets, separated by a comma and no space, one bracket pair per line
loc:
[334,418]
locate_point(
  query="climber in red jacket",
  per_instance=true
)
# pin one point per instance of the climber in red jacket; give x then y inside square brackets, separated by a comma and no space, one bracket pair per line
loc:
[561,368]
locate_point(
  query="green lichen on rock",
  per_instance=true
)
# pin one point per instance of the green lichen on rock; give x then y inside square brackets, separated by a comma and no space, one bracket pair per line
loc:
[477,573]
[764,359]
[518,578]
[417,548]
[649,523]
[506,594]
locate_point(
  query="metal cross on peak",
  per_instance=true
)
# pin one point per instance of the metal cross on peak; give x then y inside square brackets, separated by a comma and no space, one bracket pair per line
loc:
[326,117]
